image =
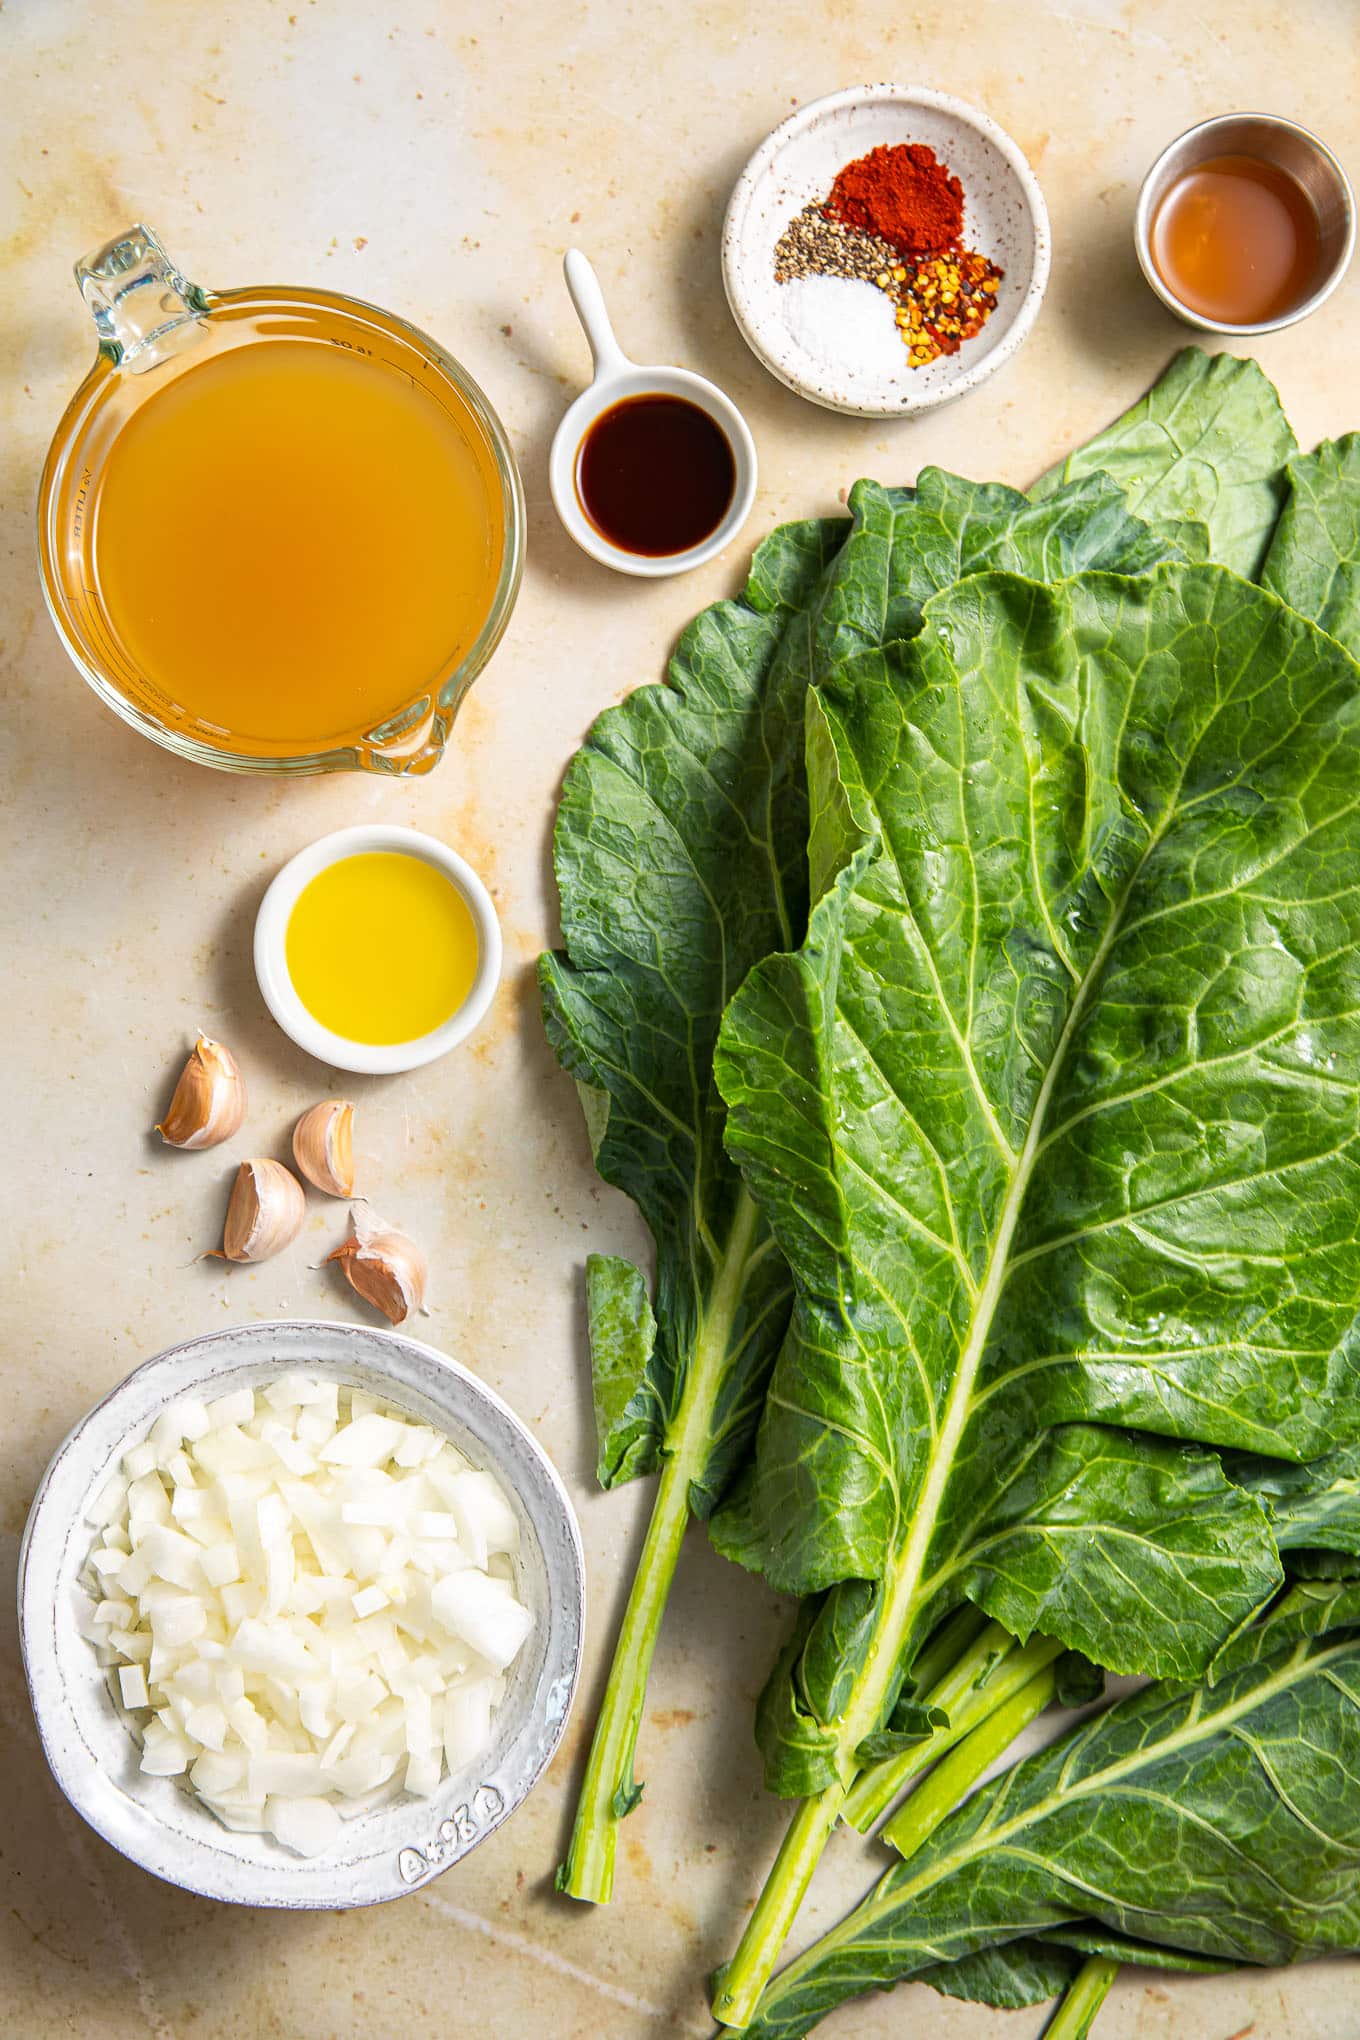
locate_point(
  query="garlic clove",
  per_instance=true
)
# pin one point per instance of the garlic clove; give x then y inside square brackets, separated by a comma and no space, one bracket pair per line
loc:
[323,1146]
[210,1099]
[383,1266]
[265,1211]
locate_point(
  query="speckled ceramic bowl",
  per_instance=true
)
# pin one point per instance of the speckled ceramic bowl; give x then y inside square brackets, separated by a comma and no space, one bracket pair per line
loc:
[1004,218]
[157,1821]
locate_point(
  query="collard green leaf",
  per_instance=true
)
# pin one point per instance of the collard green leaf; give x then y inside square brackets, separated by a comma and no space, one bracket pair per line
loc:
[1222,1825]
[675,835]
[1205,447]
[628,1417]
[1055,1117]
[1306,1609]
[681,860]
[906,545]
[1010,1977]
[910,1726]
[1319,1565]
[669,860]
[1123,1948]
[1316,1506]
[1078,1681]
[1314,558]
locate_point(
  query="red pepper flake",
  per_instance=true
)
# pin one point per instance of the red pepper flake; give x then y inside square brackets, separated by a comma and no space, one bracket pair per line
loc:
[902,193]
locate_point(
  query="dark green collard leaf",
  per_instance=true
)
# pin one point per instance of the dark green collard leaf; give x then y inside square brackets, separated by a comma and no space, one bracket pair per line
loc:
[1206,446]
[1314,558]
[906,545]
[799,1744]
[1011,1977]
[1123,1948]
[1319,1565]
[1078,1681]
[900,547]
[681,860]
[1091,1511]
[1055,1116]
[911,1724]
[625,1800]
[1223,1825]
[669,863]
[1316,1506]
[629,1420]
[1306,1609]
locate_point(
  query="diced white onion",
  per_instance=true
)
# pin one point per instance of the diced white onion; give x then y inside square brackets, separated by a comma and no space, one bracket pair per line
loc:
[307,1826]
[236,1408]
[484,1613]
[314,1597]
[132,1686]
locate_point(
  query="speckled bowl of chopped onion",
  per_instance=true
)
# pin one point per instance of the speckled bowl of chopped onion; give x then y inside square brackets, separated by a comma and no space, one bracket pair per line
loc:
[301,1609]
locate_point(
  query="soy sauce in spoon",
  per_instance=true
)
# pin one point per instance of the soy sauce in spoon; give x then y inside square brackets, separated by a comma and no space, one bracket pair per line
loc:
[655,475]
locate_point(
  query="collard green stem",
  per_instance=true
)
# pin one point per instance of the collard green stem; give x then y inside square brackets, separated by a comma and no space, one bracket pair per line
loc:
[935,1799]
[738,1986]
[985,1677]
[1083,1999]
[609,1791]
[953,1639]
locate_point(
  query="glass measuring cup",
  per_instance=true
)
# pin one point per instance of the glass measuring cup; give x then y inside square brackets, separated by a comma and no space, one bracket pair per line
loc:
[171,352]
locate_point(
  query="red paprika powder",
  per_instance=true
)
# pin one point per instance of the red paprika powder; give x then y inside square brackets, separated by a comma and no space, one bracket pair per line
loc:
[904,194]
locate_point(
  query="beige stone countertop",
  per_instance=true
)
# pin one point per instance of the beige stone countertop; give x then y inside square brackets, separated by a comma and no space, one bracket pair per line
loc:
[437,159]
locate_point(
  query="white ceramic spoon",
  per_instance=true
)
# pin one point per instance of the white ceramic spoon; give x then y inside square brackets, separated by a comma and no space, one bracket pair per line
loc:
[616,377]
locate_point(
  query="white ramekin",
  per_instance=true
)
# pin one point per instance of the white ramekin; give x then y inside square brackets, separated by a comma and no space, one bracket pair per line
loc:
[271,963]
[616,379]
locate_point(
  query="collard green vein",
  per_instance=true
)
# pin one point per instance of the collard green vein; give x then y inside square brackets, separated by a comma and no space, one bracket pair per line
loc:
[1055,1117]
[1219,1827]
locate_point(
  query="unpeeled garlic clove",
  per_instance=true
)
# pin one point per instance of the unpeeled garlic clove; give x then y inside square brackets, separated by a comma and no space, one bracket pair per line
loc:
[265,1211]
[323,1146]
[210,1099]
[383,1266]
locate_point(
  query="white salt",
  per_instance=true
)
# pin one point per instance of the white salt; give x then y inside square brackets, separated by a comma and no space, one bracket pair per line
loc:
[845,326]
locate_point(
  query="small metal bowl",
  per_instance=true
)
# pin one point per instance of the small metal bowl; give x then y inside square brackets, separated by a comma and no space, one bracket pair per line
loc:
[1290,148]
[158,1822]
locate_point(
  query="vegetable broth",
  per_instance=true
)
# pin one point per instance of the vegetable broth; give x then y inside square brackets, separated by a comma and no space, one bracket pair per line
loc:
[292,543]
[1236,240]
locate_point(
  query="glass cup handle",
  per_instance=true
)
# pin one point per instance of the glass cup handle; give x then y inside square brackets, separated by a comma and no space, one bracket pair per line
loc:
[141,305]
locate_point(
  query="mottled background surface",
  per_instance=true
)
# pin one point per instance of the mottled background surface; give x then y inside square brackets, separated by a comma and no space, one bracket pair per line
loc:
[438,159]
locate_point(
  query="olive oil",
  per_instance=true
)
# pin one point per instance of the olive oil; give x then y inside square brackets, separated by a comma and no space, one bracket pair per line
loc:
[381,947]
[1236,239]
[293,541]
